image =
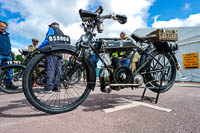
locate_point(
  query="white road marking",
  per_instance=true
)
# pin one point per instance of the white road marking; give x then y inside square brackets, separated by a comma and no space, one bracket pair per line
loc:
[157,107]
[117,108]
[135,104]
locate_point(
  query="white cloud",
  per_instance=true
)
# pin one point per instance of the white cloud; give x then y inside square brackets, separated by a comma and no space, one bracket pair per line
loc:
[74,30]
[186,6]
[155,18]
[135,10]
[38,14]
[192,20]
[16,44]
[16,51]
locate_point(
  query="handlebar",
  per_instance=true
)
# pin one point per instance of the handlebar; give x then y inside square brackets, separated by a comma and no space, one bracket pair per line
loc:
[95,19]
[122,19]
[106,16]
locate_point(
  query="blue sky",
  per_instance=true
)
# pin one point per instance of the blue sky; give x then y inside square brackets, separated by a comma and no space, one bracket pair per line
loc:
[169,9]
[30,19]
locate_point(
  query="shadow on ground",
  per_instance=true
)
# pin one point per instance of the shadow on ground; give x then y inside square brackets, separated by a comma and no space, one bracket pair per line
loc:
[5,111]
[102,101]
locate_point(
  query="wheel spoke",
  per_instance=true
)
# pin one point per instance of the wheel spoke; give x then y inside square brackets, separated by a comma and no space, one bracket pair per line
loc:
[161,72]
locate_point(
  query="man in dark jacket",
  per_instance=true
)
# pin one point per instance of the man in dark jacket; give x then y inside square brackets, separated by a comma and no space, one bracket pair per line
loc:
[5,53]
[52,63]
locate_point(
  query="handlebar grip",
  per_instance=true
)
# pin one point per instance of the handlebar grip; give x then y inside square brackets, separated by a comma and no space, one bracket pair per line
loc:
[99,10]
[122,19]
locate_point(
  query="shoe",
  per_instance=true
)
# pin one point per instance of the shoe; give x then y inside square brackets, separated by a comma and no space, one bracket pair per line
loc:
[11,87]
[56,89]
[45,92]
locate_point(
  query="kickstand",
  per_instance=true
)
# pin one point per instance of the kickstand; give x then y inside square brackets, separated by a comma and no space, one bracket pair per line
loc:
[151,99]
[158,93]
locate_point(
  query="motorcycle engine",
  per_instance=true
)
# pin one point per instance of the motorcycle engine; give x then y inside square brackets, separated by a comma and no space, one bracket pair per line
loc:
[138,79]
[123,75]
[104,78]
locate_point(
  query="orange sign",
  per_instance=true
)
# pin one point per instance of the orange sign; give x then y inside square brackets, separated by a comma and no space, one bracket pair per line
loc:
[191,60]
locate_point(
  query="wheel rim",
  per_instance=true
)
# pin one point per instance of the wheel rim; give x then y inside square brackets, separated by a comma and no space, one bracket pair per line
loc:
[161,71]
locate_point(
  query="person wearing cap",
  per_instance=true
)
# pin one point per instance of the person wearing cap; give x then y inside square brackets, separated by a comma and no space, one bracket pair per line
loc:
[5,53]
[34,45]
[30,49]
[53,63]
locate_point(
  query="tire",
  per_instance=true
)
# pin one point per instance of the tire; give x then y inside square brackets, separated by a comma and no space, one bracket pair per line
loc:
[56,102]
[16,80]
[162,66]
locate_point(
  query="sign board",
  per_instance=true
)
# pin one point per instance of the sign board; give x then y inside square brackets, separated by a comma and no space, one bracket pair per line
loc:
[191,60]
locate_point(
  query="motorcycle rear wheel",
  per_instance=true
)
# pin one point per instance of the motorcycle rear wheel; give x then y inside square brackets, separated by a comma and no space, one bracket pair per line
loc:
[160,72]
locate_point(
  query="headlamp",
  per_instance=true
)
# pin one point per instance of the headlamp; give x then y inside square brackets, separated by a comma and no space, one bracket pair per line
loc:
[84,39]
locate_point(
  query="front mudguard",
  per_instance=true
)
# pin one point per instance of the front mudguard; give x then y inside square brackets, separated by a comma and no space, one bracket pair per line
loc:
[91,73]
[90,70]
[56,47]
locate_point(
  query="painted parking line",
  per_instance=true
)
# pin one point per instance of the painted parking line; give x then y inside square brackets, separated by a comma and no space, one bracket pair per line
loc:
[117,108]
[135,104]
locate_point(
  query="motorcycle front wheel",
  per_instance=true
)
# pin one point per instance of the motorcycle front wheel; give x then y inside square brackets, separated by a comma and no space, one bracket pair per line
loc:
[64,98]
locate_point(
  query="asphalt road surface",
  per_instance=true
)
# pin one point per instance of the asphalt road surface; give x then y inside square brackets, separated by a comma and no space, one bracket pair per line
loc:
[177,111]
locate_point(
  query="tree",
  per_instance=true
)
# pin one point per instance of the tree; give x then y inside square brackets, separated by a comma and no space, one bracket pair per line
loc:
[19,58]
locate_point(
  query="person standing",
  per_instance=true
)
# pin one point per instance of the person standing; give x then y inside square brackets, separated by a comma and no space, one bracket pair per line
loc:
[123,36]
[120,58]
[53,63]
[34,45]
[124,60]
[5,53]
[31,48]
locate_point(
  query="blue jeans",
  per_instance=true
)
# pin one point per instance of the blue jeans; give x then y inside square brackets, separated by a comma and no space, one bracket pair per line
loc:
[124,62]
[3,62]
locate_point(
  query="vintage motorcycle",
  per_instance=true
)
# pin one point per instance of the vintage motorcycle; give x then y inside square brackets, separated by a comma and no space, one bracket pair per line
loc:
[17,68]
[155,67]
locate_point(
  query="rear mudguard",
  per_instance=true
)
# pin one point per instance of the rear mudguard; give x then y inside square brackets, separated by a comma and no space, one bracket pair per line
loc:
[91,73]
[145,57]
[175,60]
